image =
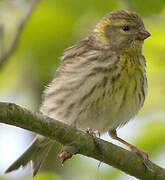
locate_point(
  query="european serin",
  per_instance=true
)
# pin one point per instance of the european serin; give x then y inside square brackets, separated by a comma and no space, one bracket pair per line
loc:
[101,83]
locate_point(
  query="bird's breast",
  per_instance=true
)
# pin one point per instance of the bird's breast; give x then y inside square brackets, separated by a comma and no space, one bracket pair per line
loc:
[101,98]
[119,100]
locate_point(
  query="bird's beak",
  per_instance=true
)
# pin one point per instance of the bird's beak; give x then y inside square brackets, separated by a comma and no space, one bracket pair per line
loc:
[142,34]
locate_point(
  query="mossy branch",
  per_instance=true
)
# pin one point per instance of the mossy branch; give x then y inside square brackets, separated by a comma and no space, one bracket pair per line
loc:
[79,142]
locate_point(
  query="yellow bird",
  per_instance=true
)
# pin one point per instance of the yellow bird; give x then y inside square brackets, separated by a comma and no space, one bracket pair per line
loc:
[101,83]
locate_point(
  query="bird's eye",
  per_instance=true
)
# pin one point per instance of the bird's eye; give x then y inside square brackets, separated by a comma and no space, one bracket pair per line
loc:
[125,28]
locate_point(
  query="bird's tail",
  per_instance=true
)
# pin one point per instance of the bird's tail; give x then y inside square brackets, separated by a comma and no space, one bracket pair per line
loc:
[36,153]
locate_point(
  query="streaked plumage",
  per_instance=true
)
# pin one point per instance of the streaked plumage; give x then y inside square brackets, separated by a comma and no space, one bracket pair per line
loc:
[101,83]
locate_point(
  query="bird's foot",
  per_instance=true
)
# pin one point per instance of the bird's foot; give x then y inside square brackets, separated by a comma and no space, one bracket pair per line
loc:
[98,145]
[144,157]
[94,134]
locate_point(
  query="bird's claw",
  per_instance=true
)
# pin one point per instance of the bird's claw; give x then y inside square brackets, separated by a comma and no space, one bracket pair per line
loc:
[93,133]
[144,156]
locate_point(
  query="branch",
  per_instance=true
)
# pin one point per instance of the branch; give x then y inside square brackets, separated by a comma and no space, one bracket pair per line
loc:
[80,142]
[5,56]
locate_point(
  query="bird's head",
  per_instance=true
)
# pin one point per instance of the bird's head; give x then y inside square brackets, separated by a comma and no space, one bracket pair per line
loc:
[120,30]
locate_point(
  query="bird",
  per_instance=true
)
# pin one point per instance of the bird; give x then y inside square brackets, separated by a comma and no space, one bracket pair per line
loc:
[101,84]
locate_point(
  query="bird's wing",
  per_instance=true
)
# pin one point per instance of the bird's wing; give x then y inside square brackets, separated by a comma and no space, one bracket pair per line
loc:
[76,50]
[79,56]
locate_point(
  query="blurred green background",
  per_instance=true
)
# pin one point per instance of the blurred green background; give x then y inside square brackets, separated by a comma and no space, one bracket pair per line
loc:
[54,26]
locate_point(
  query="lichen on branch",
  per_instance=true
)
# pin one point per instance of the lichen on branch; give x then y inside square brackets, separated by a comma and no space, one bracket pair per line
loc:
[79,142]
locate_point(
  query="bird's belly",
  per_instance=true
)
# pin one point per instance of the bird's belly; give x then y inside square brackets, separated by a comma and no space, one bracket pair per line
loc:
[96,105]
[114,110]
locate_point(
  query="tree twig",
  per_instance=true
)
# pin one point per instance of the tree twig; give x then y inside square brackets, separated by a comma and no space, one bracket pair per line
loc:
[5,55]
[80,142]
